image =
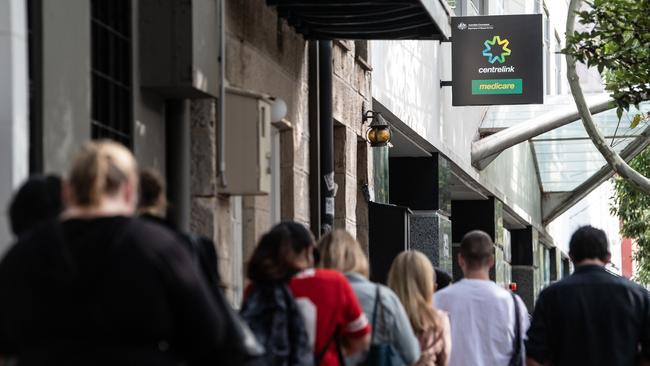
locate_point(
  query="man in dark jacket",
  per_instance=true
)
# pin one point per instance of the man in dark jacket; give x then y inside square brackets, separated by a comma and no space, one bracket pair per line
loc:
[593,317]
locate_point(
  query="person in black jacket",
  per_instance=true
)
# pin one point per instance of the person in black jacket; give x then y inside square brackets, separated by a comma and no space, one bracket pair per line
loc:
[99,287]
[37,199]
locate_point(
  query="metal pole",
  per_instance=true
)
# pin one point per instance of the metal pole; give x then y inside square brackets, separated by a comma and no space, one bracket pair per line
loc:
[326,136]
[314,142]
[221,101]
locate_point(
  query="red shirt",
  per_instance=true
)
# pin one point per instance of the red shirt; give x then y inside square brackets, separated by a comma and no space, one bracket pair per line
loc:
[328,302]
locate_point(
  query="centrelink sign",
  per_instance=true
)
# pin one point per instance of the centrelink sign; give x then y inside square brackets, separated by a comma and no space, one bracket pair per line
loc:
[497,60]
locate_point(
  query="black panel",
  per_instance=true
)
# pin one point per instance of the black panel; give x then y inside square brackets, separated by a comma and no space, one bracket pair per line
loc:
[388,227]
[472,215]
[522,246]
[111,63]
[414,182]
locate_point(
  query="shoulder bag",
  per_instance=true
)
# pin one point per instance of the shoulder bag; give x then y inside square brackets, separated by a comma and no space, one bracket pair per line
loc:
[380,354]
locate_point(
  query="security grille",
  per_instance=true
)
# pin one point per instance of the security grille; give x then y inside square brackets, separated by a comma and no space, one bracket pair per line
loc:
[111,70]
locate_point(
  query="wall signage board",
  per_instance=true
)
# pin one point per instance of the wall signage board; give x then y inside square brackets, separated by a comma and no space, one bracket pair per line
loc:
[497,60]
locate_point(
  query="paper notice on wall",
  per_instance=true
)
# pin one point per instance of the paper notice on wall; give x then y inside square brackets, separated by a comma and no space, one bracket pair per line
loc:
[445,246]
[329,206]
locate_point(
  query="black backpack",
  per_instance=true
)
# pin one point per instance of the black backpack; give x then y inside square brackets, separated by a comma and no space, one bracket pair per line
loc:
[275,319]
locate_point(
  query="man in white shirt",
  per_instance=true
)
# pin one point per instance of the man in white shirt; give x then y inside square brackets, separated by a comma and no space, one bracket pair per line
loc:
[482,314]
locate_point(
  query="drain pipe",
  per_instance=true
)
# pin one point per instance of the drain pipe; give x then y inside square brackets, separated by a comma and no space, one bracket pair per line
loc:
[328,187]
[221,100]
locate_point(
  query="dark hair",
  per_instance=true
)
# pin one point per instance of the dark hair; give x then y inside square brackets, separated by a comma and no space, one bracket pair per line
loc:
[152,191]
[38,199]
[443,279]
[588,243]
[476,247]
[269,260]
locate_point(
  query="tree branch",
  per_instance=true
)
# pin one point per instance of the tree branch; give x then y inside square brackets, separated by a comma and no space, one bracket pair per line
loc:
[613,159]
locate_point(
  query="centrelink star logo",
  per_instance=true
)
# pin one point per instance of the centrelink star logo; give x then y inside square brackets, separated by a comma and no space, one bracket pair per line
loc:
[505,51]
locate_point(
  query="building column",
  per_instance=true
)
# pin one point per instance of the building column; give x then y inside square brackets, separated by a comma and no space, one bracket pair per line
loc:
[525,263]
[420,183]
[485,215]
[14,120]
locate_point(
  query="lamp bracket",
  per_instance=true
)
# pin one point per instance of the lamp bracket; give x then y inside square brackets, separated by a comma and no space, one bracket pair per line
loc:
[369,114]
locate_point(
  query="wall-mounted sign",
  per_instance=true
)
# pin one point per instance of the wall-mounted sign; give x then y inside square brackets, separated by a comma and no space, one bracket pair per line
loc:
[497,60]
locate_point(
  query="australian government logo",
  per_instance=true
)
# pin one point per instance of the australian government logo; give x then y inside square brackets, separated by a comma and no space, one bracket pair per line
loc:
[462,26]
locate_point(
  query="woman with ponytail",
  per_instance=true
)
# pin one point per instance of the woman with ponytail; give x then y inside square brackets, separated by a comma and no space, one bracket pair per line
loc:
[412,278]
[100,287]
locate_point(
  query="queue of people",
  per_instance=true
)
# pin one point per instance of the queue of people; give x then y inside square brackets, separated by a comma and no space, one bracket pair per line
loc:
[97,276]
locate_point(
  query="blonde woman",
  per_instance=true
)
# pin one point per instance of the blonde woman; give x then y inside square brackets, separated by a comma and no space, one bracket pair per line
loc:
[342,252]
[412,278]
[97,286]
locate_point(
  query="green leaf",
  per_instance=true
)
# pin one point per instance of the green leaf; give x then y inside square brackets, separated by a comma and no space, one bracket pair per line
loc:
[635,121]
[619,113]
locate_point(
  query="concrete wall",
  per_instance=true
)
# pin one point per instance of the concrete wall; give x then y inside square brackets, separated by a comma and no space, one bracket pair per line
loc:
[148,112]
[14,122]
[66,81]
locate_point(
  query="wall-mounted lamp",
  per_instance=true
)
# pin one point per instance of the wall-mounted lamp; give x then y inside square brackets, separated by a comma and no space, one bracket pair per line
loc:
[378,129]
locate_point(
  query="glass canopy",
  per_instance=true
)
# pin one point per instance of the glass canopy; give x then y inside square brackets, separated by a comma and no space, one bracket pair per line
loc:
[566,157]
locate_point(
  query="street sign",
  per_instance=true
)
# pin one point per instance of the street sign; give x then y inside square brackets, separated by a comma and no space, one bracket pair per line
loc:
[497,60]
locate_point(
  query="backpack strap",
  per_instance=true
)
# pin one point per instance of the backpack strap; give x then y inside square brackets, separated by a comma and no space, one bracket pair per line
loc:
[374,313]
[516,347]
[334,338]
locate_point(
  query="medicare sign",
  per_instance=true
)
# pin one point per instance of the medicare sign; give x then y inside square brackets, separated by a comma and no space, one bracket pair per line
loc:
[497,60]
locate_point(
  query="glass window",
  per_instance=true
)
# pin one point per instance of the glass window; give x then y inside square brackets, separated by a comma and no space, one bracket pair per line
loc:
[111,70]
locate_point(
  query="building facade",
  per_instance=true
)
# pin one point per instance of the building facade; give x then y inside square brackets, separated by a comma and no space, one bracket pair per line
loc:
[225,99]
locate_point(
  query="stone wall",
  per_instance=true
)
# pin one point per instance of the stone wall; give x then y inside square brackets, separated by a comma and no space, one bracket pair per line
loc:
[266,56]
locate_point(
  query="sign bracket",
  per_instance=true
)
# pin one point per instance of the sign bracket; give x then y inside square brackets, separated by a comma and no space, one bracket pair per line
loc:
[446,83]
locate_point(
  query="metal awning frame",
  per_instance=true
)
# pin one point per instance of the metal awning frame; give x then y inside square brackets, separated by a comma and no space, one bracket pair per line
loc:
[485,150]
[367,19]
[556,203]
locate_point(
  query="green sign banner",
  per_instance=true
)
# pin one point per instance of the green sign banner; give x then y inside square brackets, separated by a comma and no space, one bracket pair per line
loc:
[497,60]
[497,86]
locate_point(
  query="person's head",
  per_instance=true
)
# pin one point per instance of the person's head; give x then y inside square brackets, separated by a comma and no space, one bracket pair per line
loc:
[103,180]
[341,251]
[38,199]
[281,253]
[153,200]
[442,279]
[412,278]
[476,252]
[589,244]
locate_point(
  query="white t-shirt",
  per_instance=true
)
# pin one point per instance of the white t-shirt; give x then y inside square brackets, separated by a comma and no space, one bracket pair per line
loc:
[482,317]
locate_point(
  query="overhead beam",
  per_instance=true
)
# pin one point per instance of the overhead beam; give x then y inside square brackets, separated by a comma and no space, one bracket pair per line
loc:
[556,203]
[485,150]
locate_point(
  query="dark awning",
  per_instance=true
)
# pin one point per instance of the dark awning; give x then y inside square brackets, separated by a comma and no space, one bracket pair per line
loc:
[369,19]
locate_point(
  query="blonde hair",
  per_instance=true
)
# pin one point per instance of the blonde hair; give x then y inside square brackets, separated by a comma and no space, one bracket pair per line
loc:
[339,250]
[99,169]
[412,278]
